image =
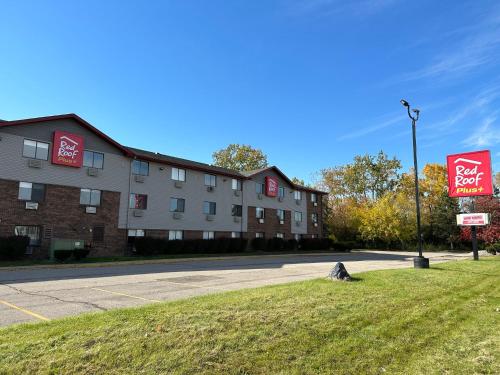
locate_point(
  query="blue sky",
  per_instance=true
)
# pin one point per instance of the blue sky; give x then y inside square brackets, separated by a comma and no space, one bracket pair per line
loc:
[310,82]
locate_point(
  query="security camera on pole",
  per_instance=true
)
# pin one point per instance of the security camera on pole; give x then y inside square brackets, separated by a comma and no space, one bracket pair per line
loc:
[420,261]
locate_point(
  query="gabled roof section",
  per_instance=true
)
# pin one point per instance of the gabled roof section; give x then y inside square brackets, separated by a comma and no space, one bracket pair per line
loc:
[184,163]
[275,169]
[71,116]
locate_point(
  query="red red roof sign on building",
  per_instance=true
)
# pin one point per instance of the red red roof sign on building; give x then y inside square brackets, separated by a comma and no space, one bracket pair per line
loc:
[67,149]
[271,186]
[469,174]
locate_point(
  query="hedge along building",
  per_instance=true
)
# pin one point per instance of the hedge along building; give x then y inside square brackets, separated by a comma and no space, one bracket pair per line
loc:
[64,179]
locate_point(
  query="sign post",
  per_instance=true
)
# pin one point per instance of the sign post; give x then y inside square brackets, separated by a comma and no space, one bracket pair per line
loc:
[469,175]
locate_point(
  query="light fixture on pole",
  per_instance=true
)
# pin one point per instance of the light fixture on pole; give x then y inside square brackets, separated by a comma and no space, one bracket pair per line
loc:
[420,261]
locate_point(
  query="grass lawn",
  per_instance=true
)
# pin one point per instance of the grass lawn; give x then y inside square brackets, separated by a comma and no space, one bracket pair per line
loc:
[442,320]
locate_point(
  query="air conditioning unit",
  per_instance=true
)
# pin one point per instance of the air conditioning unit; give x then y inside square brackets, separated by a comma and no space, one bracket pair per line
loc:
[297,223]
[177,215]
[138,213]
[297,202]
[94,172]
[282,222]
[210,217]
[90,210]
[139,178]
[237,219]
[34,163]
[178,184]
[259,195]
[315,224]
[315,204]
[210,188]
[261,221]
[31,205]
[237,193]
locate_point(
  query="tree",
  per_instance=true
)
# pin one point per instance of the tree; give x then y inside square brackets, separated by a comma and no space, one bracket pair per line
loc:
[240,158]
[298,181]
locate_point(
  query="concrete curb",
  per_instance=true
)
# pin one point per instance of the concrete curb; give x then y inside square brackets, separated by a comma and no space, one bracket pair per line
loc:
[157,261]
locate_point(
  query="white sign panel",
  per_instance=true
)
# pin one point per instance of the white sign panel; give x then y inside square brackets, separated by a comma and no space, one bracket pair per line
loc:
[473,219]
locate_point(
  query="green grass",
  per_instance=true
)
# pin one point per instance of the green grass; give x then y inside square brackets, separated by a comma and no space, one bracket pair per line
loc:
[445,320]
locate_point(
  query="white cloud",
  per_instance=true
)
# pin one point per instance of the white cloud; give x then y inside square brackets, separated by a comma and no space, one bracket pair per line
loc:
[488,134]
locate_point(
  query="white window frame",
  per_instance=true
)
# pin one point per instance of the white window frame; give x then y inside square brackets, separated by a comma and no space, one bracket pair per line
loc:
[212,180]
[280,235]
[141,162]
[178,174]
[236,184]
[91,193]
[314,197]
[262,210]
[29,185]
[281,192]
[280,217]
[174,235]
[314,218]
[210,205]
[93,159]
[136,233]
[36,149]
[260,190]
[297,194]
[208,235]
[235,234]
[299,215]
[259,235]
[177,204]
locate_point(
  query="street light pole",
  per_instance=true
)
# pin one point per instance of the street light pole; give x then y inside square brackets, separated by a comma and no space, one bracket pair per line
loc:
[420,261]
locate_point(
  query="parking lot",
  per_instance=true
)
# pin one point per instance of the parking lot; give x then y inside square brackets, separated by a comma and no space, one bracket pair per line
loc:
[46,293]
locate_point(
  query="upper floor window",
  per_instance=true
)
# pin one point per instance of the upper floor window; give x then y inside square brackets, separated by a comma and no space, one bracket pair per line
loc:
[178,174]
[31,231]
[314,197]
[35,149]
[140,167]
[259,212]
[281,192]
[175,235]
[93,159]
[209,208]
[31,192]
[259,188]
[208,235]
[314,217]
[297,216]
[138,201]
[90,197]
[236,210]
[210,180]
[297,194]
[236,184]
[177,204]
[280,214]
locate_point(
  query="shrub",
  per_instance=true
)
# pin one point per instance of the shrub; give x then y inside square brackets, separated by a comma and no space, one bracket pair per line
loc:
[275,244]
[258,244]
[315,244]
[13,247]
[150,246]
[343,245]
[292,245]
[62,255]
[493,248]
[80,253]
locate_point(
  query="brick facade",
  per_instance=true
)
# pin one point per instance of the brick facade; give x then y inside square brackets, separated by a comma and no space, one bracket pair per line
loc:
[271,224]
[317,209]
[60,215]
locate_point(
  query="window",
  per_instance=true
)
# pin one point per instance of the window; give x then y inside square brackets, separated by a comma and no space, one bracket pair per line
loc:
[314,218]
[297,216]
[31,231]
[281,192]
[175,235]
[140,167]
[208,235]
[136,232]
[235,234]
[209,208]
[259,188]
[259,212]
[314,197]
[93,159]
[90,197]
[210,180]
[259,235]
[280,235]
[31,192]
[35,149]
[313,236]
[297,237]
[139,201]
[280,214]
[297,194]
[178,174]
[98,233]
[177,205]
[236,210]
[236,184]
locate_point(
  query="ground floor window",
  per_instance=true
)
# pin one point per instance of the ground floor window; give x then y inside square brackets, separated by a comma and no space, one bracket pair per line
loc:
[31,231]
[259,235]
[208,235]
[175,235]
[297,237]
[235,234]
[133,233]
[280,235]
[313,236]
